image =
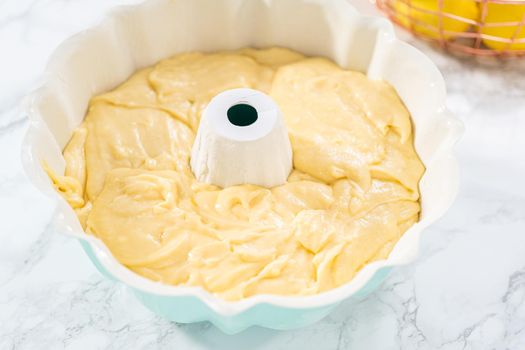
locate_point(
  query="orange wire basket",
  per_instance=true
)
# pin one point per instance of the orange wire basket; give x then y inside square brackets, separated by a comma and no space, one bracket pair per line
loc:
[473,27]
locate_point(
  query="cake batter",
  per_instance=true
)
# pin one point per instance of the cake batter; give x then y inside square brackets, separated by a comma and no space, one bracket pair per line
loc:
[352,194]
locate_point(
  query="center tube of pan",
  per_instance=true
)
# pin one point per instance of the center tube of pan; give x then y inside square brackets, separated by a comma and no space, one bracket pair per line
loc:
[242,139]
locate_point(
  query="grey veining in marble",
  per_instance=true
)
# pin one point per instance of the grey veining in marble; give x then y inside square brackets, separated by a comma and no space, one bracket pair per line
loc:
[466,291]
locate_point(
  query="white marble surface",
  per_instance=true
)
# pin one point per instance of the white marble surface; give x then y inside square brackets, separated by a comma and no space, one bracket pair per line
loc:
[466,291]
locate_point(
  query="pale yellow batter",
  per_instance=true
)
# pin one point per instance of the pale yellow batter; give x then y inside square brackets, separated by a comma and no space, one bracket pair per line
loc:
[352,194]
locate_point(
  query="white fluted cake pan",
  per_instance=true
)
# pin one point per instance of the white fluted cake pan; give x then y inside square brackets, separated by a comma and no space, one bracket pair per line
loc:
[101,58]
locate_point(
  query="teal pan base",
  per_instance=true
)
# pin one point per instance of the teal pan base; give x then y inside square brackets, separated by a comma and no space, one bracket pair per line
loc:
[190,309]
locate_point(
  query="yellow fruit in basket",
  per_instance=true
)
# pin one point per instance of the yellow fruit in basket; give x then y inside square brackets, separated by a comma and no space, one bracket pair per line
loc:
[427,24]
[501,13]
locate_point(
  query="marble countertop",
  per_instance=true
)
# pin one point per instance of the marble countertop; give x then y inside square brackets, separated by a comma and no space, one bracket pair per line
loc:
[466,290]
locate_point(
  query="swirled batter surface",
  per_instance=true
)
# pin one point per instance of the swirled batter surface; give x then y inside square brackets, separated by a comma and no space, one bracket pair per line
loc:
[352,194]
